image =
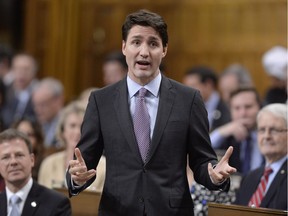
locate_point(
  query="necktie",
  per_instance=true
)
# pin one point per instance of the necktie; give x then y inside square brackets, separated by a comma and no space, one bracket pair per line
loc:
[247,156]
[141,121]
[259,193]
[15,200]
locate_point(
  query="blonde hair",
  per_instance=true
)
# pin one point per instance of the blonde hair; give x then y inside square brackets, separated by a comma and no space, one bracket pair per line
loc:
[73,107]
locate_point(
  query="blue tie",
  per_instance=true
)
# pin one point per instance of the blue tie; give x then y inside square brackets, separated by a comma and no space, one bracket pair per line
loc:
[15,200]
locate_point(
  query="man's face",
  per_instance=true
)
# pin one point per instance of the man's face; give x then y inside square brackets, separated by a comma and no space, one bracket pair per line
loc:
[227,84]
[45,105]
[244,106]
[113,72]
[15,163]
[144,52]
[194,81]
[24,71]
[272,136]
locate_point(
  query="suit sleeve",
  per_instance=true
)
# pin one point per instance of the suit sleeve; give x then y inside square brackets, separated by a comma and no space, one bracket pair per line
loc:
[199,145]
[63,208]
[90,144]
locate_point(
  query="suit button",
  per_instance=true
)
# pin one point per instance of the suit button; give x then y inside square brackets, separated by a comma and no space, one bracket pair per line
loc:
[141,199]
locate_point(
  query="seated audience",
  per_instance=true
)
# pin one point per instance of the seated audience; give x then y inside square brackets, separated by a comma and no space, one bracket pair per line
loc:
[53,168]
[275,64]
[205,80]
[241,131]
[2,103]
[22,195]
[18,95]
[48,101]
[6,55]
[33,129]
[233,77]
[267,186]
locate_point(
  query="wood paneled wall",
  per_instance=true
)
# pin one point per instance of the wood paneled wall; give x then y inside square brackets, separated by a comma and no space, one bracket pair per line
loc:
[70,38]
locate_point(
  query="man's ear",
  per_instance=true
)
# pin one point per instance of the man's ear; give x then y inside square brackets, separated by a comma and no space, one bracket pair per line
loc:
[32,156]
[124,47]
[164,51]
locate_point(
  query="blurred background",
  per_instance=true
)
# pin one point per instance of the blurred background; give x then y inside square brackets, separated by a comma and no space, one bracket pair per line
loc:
[70,38]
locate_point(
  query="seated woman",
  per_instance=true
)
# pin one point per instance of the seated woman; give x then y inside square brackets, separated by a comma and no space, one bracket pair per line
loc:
[33,129]
[53,168]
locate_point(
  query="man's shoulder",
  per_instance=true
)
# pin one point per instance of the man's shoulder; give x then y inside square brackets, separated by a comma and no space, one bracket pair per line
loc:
[171,83]
[47,193]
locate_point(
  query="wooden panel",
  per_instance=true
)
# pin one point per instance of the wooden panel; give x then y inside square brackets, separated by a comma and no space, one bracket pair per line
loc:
[216,209]
[71,38]
[84,204]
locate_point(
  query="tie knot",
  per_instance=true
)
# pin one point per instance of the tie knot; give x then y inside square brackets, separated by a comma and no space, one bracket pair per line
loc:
[15,199]
[142,92]
[268,171]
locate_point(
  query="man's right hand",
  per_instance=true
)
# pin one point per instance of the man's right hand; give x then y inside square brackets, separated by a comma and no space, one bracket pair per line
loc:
[78,169]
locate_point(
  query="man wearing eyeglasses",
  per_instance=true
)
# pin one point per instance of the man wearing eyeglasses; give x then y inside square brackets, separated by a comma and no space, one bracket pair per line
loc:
[272,142]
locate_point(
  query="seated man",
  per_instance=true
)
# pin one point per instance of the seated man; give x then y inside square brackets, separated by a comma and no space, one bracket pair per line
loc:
[272,142]
[23,196]
[241,131]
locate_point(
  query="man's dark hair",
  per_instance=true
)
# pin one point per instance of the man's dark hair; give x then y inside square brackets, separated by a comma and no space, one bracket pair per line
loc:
[117,56]
[204,73]
[6,54]
[246,89]
[12,134]
[147,19]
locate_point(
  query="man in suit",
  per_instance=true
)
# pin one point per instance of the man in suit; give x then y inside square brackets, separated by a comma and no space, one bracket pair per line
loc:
[16,162]
[205,80]
[48,101]
[18,95]
[241,131]
[114,67]
[272,142]
[137,182]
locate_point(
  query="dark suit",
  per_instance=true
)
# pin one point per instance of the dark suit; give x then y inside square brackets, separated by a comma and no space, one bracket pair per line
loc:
[221,115]
[276,196]
[40,201]
[160,186]
[9,114]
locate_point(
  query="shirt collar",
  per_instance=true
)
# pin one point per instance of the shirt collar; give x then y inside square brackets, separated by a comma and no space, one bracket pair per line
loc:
[212,102]
[153,86]
[277,164]
[22,193]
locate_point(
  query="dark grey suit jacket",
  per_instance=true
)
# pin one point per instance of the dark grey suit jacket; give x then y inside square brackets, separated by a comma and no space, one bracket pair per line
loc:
[40,201]
[158,187]
[276,196]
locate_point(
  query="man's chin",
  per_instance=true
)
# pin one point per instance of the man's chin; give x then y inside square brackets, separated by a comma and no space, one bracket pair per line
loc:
[16,179]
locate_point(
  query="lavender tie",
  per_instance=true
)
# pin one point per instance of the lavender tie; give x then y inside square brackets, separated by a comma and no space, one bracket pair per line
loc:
[141,121]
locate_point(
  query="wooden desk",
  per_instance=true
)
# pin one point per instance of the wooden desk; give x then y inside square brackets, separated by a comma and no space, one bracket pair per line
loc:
[84,204]
[216,209]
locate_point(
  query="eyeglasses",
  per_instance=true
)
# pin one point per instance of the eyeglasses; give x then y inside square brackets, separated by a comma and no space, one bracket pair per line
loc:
[272,131]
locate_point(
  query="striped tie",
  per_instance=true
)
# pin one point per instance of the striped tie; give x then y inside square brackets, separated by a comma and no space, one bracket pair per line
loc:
[257,197]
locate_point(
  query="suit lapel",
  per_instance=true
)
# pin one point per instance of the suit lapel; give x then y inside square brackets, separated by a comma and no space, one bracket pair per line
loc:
[32,201]
[3,203]
[167,96]
[124,117]
[281,176]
